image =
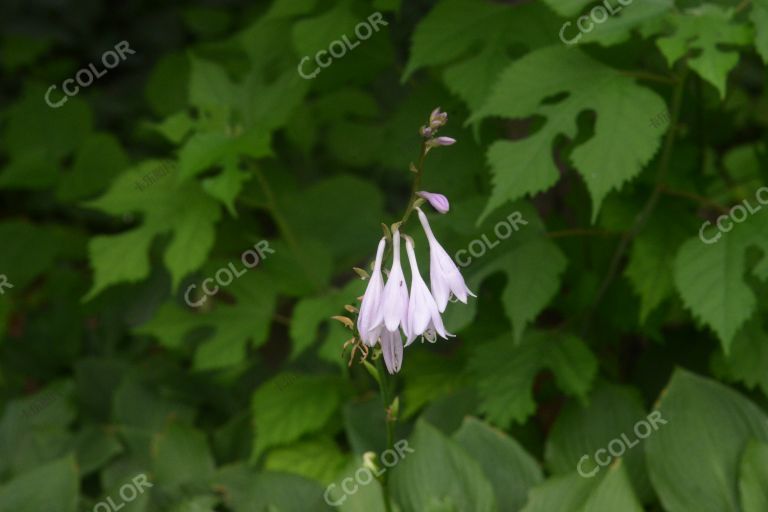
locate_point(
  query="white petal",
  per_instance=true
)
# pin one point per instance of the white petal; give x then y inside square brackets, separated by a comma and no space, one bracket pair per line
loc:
[371,302]
[392,349]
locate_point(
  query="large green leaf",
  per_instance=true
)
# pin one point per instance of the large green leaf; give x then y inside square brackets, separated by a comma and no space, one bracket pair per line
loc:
[509,468]
[528,166]
[693,460]
[612,413]
[753,480]
[439,472]
[53,486]
[609,493]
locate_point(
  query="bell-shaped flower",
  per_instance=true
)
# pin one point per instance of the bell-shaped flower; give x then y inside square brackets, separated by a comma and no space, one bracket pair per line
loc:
[438,201]
[423,316]
[393,310]
[392,350]
[371,302]
[445,278]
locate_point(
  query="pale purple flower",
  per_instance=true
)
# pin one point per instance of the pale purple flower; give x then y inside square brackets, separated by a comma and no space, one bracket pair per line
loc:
[438,201]
[423,316]
[442,141]
[392,350]
[445,278]
[393,310]
[371,302]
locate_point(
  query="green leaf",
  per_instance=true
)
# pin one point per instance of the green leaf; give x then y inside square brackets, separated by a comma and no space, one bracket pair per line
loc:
[211,90]
[483,33]
[437,470]
[689,471]
[710,276]
[753,479]
[283,414]
[53,486]
[509,468]
[759,17]
[192,240]
[183,209]
[319,460]
[705,29]
[311,312]
[504,372]
[249,319]
[748,356]
[181,454]
[611,493]
[580,430]
[651,261]
[119,258]
[527,166]
[97,161]
[247,491]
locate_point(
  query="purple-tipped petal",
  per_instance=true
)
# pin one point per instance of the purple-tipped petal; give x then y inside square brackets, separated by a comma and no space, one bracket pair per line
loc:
[438,201]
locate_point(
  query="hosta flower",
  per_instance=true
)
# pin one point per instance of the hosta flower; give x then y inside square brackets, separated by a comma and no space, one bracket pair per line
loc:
[371,302]
[438,201]
[392,350]
[423,316]
[393,310]
[445,278]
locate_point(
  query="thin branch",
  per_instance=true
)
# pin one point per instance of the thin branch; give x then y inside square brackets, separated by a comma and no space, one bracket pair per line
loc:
[695,197]
[647,210]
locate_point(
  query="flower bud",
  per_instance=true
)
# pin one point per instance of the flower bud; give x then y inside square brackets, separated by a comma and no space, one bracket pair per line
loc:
[441,141]
[438,201]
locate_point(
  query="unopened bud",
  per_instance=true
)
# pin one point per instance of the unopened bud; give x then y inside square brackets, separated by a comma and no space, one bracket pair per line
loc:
[441,141]
[438,201]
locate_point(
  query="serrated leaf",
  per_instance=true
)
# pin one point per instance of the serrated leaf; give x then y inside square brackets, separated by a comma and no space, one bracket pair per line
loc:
[483,33]
[504,372]
[119,258]
[710,276]
[527,166]
[705,29]
[284,414]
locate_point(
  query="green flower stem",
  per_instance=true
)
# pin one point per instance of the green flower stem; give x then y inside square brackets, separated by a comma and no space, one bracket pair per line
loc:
[386,385]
